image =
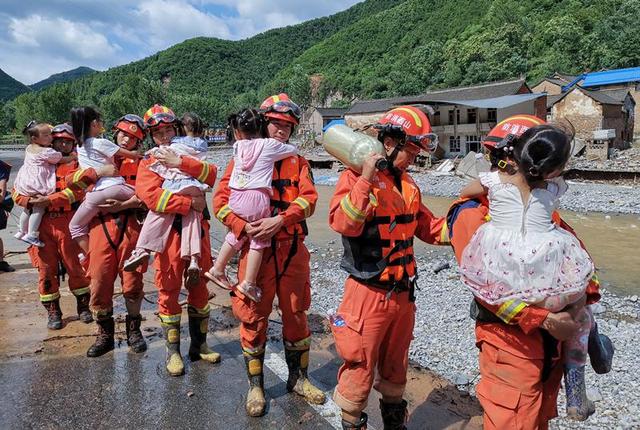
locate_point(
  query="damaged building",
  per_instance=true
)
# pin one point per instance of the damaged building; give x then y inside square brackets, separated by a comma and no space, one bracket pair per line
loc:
[603,100]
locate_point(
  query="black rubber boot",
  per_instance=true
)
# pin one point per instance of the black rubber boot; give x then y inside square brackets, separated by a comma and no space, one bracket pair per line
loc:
[256,402]
[361,425]
[297,358]
[174,363]
[198,329]
[105,339]
[54,314]
[394,415]
[82,305]
[135,340]
[600,351]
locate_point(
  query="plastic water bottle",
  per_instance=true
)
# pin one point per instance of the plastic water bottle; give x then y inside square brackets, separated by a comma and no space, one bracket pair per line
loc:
[337,320]
[352,147]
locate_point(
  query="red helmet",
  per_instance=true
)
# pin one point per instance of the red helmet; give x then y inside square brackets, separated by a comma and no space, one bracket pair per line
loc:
[509,128]
[130,124]
[281,107]
[63,131]
[412,123]
[160,116]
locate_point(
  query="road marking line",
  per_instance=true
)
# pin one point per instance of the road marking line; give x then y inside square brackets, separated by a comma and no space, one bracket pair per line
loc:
[329,411]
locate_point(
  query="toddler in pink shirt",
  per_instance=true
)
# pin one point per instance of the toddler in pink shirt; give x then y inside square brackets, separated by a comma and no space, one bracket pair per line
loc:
[250,184]
[36,177]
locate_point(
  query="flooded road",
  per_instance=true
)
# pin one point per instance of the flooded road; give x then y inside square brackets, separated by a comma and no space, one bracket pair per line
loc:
[612,240]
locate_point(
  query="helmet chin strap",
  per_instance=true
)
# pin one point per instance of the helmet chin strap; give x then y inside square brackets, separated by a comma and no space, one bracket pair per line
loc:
[391,158]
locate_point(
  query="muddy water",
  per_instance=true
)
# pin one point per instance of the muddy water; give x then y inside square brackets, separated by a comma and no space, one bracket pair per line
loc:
[614,243]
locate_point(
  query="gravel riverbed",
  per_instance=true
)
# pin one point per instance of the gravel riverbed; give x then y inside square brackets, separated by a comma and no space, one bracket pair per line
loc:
[444,336]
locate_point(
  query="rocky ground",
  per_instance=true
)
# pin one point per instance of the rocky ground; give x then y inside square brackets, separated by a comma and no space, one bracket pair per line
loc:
[444,337]
[626,160]
[581,197]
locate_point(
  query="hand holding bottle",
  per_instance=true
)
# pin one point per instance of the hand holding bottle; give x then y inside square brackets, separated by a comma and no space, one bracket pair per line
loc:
[370,165]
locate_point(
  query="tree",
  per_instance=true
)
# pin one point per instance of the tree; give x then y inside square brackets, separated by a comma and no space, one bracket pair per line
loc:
[8,117]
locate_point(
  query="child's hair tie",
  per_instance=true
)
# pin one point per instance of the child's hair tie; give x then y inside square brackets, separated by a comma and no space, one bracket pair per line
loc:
[30,124]
[533,171]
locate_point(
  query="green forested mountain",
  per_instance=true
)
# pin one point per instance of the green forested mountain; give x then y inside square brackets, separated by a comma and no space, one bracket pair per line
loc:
[67,76]
[377,48]
[10,87]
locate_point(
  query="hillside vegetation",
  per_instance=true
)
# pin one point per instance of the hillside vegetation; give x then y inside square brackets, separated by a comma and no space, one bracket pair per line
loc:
[10,87]
[67,76]
[377,48]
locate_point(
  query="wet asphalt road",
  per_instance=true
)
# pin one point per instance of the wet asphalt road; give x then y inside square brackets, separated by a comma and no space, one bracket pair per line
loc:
[126,390]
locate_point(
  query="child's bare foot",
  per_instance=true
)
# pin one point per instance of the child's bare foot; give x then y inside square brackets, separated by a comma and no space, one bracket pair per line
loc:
[219,278]
[250,290]
[193,274]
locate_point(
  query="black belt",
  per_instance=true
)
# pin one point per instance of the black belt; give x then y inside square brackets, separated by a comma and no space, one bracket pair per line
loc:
[404,284]
[481,314]
[398,219]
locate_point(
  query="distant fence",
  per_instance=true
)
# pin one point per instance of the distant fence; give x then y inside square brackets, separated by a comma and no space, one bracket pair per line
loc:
[12,143]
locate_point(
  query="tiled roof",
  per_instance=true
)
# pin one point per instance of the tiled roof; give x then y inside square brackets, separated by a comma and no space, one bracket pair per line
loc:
[473,92]
[332,112]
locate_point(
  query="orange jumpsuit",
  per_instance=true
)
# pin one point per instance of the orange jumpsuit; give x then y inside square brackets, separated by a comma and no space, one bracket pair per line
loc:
[169,264]
[112,237]
[58,245]
[520,377]
[294,198]
[378,222]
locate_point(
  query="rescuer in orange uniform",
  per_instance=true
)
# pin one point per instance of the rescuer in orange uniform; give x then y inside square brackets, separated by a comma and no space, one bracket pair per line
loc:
[378,214]
[520,363]
[170,267]
[285,266]
[112,237]
[59,251]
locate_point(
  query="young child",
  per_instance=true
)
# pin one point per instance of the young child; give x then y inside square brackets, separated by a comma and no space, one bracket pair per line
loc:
[37,177]
[250,185]
[156,227]
[95,152]
[520,254]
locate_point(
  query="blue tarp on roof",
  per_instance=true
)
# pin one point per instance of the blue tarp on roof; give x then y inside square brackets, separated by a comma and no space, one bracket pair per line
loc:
[332,123]
[609,77]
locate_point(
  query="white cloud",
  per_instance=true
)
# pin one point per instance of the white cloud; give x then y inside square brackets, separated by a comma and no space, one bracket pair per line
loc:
[167,22]
[59,34]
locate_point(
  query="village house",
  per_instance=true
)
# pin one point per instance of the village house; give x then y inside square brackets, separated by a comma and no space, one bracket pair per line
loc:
[552,85]
[588,111]
[599,100]
[461,117]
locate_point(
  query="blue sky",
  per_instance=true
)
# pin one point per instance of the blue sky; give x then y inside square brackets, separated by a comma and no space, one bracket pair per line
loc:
[42,37]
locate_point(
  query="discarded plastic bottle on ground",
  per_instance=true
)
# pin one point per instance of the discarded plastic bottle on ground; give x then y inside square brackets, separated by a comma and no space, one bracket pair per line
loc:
[337,320]
[352,147]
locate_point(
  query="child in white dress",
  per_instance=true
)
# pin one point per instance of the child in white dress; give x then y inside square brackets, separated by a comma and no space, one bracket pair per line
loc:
[37,177]
[95,152]
[157,226]
[254,157]
[520,254]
